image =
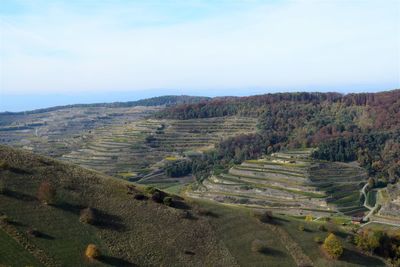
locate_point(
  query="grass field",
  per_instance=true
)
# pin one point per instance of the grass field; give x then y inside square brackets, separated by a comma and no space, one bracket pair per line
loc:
[12,254]
[237,228]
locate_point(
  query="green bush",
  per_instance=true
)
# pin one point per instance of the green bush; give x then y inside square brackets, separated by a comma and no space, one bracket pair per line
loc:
[301,228]
[150,189]
[168,201]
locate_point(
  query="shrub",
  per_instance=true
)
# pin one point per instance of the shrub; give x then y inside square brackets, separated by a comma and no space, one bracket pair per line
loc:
[301,228]
[150,189]
[168,201]
[333,246]
[258,246]
[46,193]
[264,217]
[156,197]
[367,240]
[92,252]
[87,216]
[309,218]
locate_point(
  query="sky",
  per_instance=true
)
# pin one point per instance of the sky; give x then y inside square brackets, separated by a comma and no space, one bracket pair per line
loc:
[55,52]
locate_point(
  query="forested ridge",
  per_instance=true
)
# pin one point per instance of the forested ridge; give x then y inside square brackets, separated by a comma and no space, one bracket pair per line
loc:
[363,127]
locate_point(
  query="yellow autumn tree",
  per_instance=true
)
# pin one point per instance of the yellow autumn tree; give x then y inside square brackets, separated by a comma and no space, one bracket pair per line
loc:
[92,252]
[309,218]
[333,246]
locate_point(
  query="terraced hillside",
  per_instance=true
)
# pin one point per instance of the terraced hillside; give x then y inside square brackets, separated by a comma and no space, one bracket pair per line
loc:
[132,150]
[57,132]
[290,182]
[341,183]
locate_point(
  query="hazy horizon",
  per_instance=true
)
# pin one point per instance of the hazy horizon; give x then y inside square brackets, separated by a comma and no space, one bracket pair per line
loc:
[17,103]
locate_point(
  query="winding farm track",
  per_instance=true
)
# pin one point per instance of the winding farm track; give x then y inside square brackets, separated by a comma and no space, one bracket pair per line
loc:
[372,210]
[365,204]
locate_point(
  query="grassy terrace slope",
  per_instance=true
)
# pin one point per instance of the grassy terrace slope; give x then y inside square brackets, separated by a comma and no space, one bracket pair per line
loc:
[290,182]
[129,232]
[130,149]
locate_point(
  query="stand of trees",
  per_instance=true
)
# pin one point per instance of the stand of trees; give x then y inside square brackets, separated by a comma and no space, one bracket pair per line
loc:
[378,152]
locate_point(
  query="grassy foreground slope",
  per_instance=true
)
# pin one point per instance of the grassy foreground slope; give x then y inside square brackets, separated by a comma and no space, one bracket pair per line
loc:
[130,232]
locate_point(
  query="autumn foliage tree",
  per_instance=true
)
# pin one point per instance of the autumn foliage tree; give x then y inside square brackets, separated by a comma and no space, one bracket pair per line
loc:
[92,252]
[46,193]
[333,246]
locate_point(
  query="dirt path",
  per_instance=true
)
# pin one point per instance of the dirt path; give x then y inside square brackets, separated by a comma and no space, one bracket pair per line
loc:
[291,246]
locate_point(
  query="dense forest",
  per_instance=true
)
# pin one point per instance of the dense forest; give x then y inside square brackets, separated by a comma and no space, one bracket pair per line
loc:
[363,127]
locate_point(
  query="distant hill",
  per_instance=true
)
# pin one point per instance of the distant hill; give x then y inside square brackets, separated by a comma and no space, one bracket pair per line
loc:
[154,101]
[129,232]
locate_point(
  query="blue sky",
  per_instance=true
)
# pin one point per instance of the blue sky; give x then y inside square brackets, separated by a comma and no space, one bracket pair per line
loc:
[60,52]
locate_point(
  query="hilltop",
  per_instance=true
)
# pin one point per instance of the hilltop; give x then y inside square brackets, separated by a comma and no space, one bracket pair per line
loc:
[129,231]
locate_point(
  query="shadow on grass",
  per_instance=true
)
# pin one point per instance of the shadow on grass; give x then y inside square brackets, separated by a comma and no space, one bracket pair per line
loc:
[108,221]
[103,219]
[272,252]
[19,195]
[19,170]
[72,208]
[15,223]
[113,261]
[355,257]
[178,204]
[207,213]
[340,234]
[45,236]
